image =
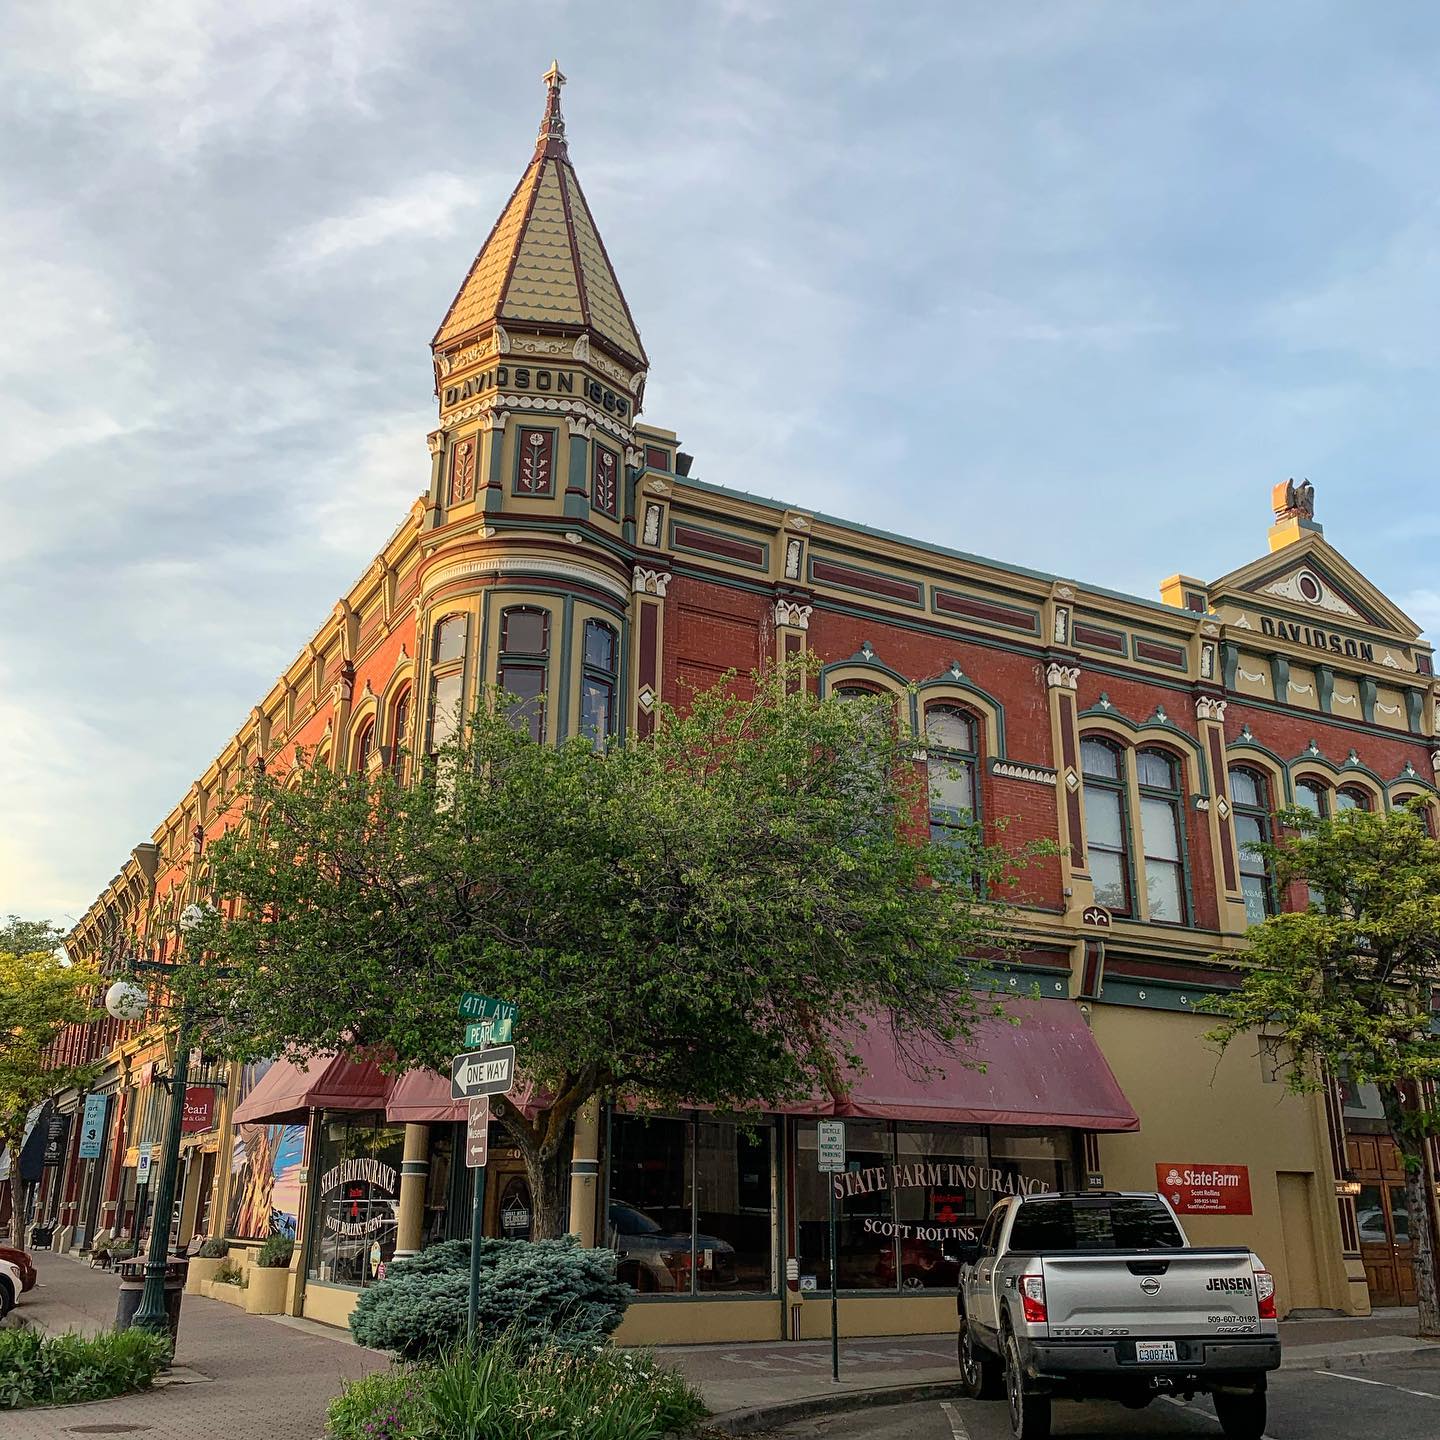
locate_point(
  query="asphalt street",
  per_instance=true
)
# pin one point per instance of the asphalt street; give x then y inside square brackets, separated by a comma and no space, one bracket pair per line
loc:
[1399,1400]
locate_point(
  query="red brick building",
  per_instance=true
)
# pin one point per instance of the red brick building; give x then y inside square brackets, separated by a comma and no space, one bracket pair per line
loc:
[564,549]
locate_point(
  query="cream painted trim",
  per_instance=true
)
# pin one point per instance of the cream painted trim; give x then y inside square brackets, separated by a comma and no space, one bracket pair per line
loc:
[517,564]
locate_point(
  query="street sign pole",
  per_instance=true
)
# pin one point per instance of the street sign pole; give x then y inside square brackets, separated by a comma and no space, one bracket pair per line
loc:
[477,1155]
[830,1155]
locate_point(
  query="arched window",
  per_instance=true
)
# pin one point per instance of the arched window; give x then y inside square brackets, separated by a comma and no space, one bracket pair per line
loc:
[1311,795]
[951,755]
[524,656]
[1351,797]
[1162,829]
[1250,797]
[1107,821]
[447,679]
[1425,809]
[364,747]
[597,683]
[399,731]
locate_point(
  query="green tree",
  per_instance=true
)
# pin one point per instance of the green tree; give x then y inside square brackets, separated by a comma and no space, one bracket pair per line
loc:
[704,916]
[41,993]
[1347,984]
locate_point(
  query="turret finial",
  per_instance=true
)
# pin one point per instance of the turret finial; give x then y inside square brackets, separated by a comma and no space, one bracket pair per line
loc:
[551,140]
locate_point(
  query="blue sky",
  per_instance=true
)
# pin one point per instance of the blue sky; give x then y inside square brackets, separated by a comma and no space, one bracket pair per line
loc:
[1069,284]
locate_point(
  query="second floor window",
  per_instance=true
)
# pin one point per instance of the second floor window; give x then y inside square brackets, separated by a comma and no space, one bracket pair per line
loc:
[447,679]
[364,747]
[399,733]
[524,656]
[1250,799]
[951,752]
[1312,797]
[1351,798]
[1107,824]
[1162,820]
[597,684]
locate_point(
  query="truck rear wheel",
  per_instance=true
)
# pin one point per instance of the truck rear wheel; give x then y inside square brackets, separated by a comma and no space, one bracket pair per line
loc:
[979,1370]
[1029,1411]
[1241,1414]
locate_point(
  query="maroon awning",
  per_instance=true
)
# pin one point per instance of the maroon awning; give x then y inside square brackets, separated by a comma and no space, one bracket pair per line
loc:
[422,1097]
[324,1082]
[1047,1070]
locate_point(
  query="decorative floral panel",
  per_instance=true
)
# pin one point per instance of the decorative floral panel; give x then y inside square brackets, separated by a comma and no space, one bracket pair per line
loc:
[535,466]
[605,482]
[462,472]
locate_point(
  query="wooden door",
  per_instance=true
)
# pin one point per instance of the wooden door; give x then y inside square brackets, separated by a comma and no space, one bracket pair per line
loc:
[1383,1217]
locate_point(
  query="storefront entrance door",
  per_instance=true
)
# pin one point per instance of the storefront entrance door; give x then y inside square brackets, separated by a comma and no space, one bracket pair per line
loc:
[1384,1219]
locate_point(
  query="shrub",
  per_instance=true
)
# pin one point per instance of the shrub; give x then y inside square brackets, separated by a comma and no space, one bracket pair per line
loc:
[541,1292]
[123,1251]
[275,1253]
[230,1273]
[511,1390]
[214,1249]
[38,1369]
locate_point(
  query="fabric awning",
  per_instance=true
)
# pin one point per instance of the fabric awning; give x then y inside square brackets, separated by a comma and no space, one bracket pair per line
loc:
[324,1082]
[422,1097]
[1047,1070]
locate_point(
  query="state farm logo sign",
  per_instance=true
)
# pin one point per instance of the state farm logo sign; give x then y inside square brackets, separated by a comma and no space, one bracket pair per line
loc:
[1205,1189]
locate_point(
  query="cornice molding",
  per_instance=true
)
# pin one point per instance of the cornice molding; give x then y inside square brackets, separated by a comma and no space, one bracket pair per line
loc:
[500,565]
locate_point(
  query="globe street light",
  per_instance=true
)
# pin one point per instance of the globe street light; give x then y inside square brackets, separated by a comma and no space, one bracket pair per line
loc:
[126,1000]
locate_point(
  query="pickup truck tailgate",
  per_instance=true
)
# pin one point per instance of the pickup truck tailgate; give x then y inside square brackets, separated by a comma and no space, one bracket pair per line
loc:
[1151,1293]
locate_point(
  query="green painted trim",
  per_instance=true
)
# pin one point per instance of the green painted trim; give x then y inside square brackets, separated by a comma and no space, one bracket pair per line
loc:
[1158,640]
[1325,687]
[1318,760]
[1157,994]
[1020,979]
[567,650]
[763,565]
[1120,635]
[577,498]
[1034,627]
[856,528]
[957,679]
[1152,728]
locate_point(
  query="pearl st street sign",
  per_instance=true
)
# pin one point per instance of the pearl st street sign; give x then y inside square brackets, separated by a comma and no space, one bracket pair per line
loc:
[483,1072]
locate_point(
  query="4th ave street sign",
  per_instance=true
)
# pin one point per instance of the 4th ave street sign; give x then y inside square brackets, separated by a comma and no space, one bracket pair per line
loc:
[483,1072]
[496,1019]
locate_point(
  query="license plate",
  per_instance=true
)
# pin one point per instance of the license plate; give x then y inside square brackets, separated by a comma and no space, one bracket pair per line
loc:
[1155,1352]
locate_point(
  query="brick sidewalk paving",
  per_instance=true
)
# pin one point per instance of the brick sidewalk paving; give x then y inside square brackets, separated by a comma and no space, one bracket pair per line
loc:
[266,1379]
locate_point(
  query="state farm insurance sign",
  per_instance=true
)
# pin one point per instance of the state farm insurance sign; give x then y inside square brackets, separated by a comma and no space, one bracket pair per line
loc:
[1205,1189]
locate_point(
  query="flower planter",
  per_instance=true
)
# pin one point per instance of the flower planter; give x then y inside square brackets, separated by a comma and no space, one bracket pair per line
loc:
[267,1290]
[202,1272]
[230,1294]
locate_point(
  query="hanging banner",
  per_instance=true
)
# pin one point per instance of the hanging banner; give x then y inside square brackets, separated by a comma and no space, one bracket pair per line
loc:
[92,1127]
[199,1111]
[55,1138]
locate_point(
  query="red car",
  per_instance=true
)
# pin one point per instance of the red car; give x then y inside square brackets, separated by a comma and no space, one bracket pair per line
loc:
[23,1263]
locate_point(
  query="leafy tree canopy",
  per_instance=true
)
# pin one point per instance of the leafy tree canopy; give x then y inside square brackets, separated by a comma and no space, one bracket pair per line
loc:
[707,916]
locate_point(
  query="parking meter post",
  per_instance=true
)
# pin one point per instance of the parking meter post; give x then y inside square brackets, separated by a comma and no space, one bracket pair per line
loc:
[834,1293]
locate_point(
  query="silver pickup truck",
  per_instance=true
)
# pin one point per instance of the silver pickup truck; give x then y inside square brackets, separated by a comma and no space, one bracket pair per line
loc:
[1098,1295]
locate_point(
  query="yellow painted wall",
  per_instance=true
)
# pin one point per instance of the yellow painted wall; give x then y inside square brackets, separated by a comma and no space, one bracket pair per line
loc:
[329,1304]
[1201,1109]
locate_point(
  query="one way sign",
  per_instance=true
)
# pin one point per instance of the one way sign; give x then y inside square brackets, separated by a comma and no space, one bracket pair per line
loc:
[483,1072]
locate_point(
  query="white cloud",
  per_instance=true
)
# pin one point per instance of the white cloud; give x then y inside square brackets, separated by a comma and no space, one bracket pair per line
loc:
[431,206]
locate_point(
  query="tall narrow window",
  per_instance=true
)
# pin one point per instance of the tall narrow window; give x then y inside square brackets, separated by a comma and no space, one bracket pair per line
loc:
[524,652]
[950,765]
[400,732]
[1312,796]
[597,684]
[1350,797]
[364,747]
[1162,818]
[1107,824]
[447,679]
[1250,797]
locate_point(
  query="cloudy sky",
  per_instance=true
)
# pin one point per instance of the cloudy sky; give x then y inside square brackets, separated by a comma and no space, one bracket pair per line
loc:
[1071,284]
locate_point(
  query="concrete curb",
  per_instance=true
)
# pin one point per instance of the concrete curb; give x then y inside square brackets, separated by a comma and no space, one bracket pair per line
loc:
[763,1417]
[1340,1360]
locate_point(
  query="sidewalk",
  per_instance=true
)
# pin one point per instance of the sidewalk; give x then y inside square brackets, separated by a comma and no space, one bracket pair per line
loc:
[249,1378]
[736,1379]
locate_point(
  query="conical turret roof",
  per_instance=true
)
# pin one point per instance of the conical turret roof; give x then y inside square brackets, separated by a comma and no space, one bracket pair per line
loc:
[544,263]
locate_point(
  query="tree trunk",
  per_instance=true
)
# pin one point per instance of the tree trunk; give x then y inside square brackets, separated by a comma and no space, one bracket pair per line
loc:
[17,1200]
[1410,1141]
[547,1168]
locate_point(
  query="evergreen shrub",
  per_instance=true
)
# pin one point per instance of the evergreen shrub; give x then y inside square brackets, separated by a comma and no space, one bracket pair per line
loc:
[540,1292]
[213,1249]
[275,1253]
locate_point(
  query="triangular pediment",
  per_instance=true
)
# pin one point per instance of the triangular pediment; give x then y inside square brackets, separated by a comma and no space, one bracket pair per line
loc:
[1312,579]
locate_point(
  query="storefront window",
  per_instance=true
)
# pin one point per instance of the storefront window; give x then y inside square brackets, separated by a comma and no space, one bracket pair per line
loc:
[910,1194]
[357,1199]
[438,1184]
[691,1205]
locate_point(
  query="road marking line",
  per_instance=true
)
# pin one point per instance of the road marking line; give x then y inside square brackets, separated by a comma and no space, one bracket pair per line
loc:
[1358,1379]
[957,1425]
[1203,1414]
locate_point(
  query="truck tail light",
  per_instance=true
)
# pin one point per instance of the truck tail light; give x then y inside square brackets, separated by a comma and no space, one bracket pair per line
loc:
[1032,1298]
[1265,1294]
